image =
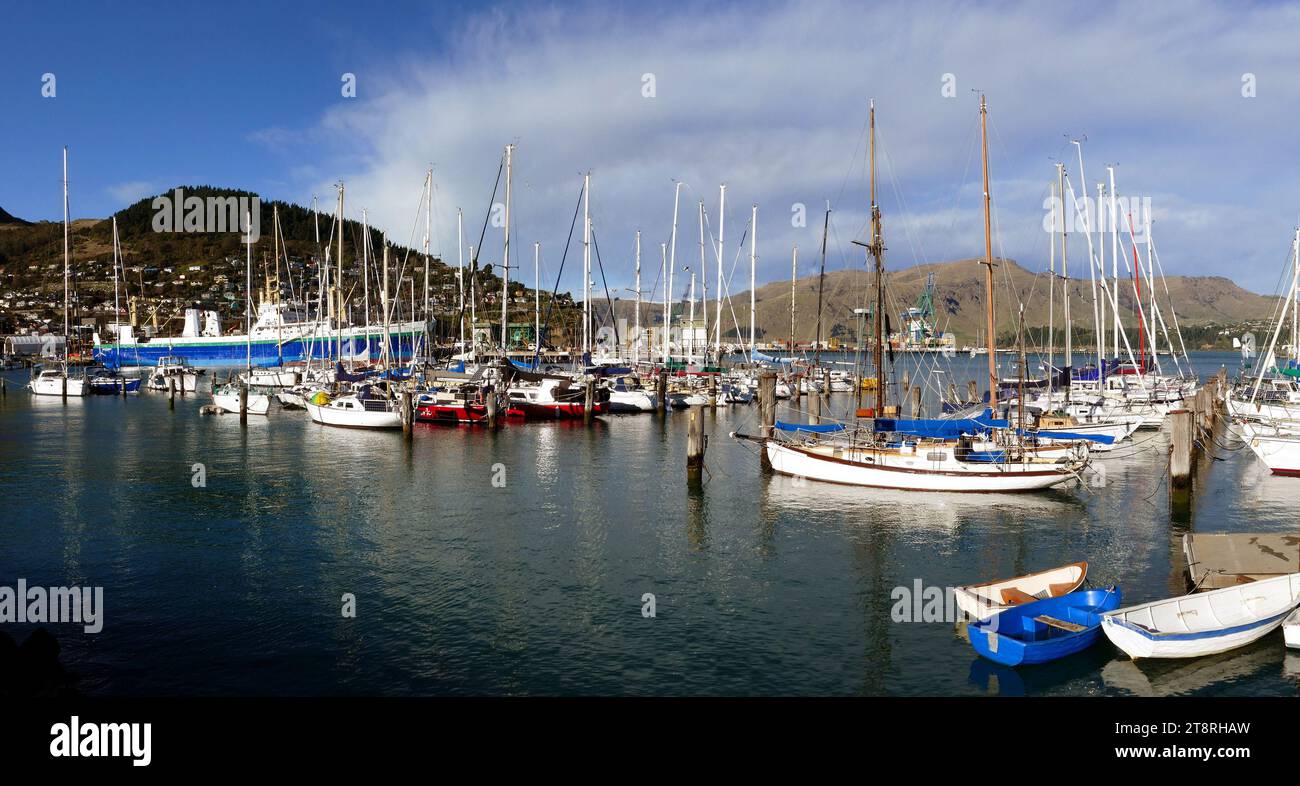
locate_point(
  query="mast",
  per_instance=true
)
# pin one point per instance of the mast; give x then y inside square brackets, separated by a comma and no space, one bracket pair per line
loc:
[537,301]
[877,250]
[1295,282]
[1101,313]
[753,241]
[1051,302]
[473,303]
[690,340]
[460,276]
[365,274]
[704,286]
[663,265]
[586,267]
[505,263]
[1065,287]
[672,264]
[248,296]
[991,338]
[1114,257]
[117,257]
[717,326]
[636,344]
[67,268]
[338,279]
[794,276]
[428,224]
[821,283]
[383,304]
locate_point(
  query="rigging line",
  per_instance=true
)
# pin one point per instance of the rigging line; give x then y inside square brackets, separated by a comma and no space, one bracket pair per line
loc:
[550,306]
[608,300]
[474,288]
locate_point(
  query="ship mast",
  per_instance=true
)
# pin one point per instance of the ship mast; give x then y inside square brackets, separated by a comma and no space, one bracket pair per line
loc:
[877,249]
[988,257]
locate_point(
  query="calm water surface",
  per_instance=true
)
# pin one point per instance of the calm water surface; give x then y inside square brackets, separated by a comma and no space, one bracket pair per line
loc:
[762,585]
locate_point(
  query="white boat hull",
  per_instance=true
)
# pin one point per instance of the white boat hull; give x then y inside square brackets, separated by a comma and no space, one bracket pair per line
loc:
[330,415]
[1205,623]
[51,386]
[1279,452]
[258,403]
[1291,630]
[854,467]
[981,601]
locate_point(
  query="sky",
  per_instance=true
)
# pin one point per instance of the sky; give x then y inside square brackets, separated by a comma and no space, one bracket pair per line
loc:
[1193,104]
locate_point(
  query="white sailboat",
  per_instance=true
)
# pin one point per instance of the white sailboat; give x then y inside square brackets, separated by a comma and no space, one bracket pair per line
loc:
[60,381]
[227,397]
[994,463]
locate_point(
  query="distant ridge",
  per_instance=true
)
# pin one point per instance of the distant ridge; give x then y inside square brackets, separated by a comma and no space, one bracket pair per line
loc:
[1206,305]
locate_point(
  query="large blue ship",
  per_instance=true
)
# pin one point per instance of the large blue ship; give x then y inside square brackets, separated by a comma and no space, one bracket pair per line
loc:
[281,335]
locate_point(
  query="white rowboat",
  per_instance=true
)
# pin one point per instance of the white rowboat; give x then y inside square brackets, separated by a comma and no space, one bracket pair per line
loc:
[1203,623]
[984,600]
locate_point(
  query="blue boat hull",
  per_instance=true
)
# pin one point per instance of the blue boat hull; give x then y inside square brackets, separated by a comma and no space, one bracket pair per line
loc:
[1016,638]
[234,351]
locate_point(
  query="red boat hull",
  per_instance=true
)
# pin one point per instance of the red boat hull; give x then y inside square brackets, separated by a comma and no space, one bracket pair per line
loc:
[459,414]
[566,410]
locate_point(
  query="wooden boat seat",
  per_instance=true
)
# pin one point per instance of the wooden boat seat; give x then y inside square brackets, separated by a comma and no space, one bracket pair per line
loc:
[1061,624]
[1057,590]
[1014,597]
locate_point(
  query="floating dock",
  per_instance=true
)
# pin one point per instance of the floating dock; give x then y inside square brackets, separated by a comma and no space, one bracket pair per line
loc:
[1226,559]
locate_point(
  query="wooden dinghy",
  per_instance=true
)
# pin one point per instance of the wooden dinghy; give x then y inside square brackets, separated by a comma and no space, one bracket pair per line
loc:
[984,600]
[1045,630]
[1204,623]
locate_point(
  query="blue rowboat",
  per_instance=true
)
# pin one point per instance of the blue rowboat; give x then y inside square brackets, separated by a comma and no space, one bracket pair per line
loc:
[1044,630]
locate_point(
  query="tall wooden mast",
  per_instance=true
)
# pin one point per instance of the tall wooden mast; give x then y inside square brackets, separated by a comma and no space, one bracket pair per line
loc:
[988,257]
[877,249]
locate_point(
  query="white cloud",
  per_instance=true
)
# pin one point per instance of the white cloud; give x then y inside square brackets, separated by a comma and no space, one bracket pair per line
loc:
[132,191]
[772,100]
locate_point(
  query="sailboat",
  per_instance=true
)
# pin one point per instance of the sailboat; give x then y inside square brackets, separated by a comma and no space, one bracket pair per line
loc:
[227,397]
[370,405]
[959,455]
[59,381]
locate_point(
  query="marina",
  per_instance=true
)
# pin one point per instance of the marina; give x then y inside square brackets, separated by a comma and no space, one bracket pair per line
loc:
[764,583]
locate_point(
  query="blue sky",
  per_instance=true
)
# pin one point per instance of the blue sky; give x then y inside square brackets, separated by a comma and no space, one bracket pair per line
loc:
[770,98]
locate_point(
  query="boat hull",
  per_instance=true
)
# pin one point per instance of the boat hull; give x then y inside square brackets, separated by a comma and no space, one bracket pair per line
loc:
[54,387]
[354,418]
[1020,637]
[235,350]
[790,460]
[1205,623]
[258,403]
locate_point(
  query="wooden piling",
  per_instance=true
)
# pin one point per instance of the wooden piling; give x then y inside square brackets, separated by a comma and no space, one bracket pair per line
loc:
[826,384]
[492,399]
[766,411]
[1180,448]
[972,391]
[814,408]
[171,392]
[663,391]
[796,387]
[588,401]
[696,442]
[243,403]
[713,391]
[408,414]
[916,402]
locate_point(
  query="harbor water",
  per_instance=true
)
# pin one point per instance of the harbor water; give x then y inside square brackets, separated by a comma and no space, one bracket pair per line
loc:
[523,561]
